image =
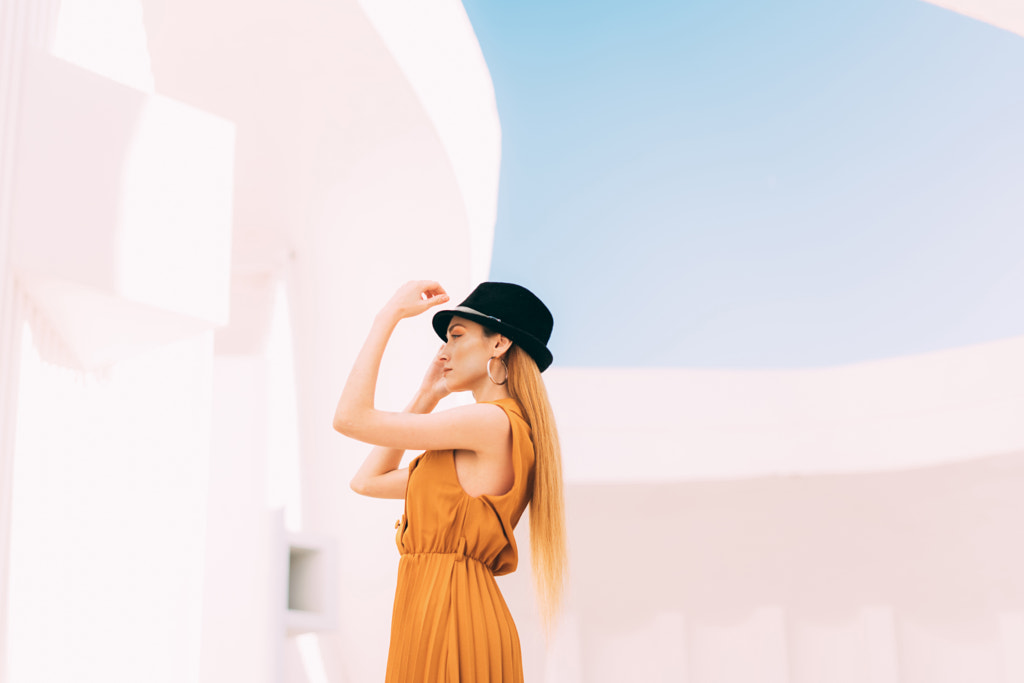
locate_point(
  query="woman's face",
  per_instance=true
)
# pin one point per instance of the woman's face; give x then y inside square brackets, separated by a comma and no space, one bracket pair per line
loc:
[466,353]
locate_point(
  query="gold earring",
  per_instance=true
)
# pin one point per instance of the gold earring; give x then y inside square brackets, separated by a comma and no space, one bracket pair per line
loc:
[504,365]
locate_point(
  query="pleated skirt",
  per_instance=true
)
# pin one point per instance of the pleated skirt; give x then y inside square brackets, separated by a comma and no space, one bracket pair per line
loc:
[450,623]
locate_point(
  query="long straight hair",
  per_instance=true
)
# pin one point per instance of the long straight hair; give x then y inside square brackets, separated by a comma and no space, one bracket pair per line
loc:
[547,506]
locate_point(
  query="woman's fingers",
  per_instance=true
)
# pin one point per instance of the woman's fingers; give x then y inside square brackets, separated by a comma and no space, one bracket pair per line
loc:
[432,294]
[416,296]
[432,291]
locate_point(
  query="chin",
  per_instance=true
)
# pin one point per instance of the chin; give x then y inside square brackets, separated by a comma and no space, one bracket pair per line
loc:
[457,388]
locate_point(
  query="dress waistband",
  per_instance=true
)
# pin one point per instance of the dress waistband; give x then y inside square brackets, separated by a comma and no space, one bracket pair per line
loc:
[459,554]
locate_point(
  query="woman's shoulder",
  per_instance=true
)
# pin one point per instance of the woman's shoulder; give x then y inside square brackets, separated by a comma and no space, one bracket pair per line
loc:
[482,420]
[507,404]
[516,419]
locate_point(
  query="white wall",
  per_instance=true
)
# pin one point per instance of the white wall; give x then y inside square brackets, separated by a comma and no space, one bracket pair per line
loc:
[118,227]
[243,621]
[1005,15]
[338,154]
[446,69]
[887,576]
[676,424]
[828,525]
[109,515]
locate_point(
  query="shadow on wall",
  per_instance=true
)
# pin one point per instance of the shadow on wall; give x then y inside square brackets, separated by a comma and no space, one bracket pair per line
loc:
[937,552]
[930,541]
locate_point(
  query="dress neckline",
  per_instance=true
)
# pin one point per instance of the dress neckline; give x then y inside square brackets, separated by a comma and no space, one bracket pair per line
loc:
[515,404]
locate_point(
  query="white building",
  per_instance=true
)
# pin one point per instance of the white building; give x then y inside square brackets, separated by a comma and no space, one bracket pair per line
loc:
[202,204]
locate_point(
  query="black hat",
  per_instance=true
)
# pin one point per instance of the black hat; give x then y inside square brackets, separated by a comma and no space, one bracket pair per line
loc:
[507,309]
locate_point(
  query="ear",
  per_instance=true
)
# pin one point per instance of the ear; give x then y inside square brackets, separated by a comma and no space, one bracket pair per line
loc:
[501,345]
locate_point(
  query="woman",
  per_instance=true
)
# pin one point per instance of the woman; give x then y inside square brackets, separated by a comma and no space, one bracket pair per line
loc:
[483,464]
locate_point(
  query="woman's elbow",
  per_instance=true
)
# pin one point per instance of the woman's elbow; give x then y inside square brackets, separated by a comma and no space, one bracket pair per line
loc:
[340,424]
[345,422]
[352,422]
[358,485]
[360,426]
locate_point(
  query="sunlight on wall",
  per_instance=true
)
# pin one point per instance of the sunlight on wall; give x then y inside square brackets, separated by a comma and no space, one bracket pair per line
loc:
[175,207]
[108,516]
[312,658]
[436,47]
[105,36]
[283,485]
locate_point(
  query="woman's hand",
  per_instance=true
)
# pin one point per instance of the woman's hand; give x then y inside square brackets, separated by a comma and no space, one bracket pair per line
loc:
[434,387]
[414,297]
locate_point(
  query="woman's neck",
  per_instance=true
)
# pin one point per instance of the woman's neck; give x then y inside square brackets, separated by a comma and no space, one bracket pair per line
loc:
[490,392]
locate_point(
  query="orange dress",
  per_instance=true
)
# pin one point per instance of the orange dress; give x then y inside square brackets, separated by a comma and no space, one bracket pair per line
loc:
[450,622]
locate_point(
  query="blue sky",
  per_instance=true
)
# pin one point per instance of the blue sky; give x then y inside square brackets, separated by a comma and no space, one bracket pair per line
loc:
[758,184]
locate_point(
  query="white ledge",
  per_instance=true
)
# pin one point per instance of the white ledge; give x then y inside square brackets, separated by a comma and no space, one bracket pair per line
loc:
[670,424]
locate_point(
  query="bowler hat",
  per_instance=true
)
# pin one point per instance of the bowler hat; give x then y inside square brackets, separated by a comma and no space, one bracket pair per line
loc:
[508,309]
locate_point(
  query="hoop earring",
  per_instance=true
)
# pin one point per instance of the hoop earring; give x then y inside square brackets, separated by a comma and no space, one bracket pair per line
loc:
[502,360]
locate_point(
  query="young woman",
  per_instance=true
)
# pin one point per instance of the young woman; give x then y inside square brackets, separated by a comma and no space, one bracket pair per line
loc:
[484,463]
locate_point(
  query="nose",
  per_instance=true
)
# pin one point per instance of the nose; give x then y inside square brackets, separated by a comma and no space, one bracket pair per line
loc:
[443,353]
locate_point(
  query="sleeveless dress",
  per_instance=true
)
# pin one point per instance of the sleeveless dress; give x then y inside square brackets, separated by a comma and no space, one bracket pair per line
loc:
[450,622]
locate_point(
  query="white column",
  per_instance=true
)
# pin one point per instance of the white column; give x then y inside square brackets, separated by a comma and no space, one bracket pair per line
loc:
[860,648]
[25,25]
[653,650]
[1011,629]
[754,647]
[950,647]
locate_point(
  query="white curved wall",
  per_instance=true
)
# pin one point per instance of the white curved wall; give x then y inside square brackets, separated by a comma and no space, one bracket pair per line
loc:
[673,424]
[831,525]
[824,525]
[896,577]
[436,48]
[366,156]
[1006,15]
[351,175]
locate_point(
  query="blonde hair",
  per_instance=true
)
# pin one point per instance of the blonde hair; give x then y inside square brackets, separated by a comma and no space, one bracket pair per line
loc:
[547,506]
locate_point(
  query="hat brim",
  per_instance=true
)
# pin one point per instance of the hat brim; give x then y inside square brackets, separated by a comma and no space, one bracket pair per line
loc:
[537,350]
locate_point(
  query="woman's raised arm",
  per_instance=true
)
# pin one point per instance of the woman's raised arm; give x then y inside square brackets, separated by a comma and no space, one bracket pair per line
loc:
[379,476]
[472,427]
